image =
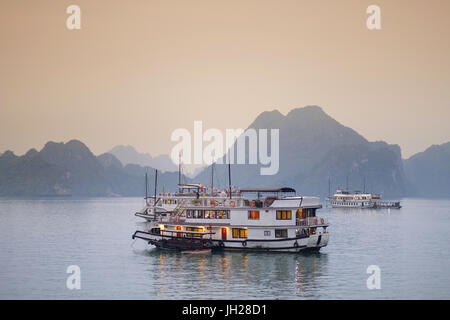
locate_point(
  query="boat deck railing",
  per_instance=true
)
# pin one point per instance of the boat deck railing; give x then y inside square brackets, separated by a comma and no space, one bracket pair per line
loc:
[215,203]
[191,195]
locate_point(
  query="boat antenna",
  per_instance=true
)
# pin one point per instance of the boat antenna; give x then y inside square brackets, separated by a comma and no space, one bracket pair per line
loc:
[156,182]
[179,172]
[364,185]
[329,186]
[229,177]
[346,182]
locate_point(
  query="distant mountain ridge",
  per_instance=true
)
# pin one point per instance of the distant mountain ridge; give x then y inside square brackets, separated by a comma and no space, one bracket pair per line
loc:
[429,171]
[129,155]
[313,148]
[64,169]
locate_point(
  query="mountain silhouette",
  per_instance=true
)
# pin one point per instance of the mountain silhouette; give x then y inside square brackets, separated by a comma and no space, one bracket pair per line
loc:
[71,169]
[429,171]
[129,155]
[313,148]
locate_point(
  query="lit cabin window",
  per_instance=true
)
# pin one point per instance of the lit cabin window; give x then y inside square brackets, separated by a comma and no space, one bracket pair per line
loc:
[195,229]
[284,214]
[239,233]
[281,233]
[253,215]
[301,213]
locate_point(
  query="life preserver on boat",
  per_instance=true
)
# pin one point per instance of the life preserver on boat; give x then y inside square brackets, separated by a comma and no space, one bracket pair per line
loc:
[221,244]
[296,244]
[244,243]
[252,203]
[213,203]
[232,203]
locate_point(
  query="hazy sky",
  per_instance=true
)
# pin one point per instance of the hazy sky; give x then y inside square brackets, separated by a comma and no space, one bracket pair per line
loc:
[139,69]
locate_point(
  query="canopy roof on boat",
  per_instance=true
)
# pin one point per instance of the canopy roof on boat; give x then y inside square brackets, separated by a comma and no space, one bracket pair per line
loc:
[190,185]
[279,189]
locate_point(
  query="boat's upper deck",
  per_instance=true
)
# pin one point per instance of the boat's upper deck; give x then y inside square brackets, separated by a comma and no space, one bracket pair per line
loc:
[259,198]
[354,195]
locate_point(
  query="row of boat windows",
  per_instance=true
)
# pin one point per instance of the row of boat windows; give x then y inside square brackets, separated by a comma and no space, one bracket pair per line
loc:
[242,233]
[169,201]
[349,203]
[208,214]
[357,197]
[279,233]
[194,229]
[252,214]
[284,214]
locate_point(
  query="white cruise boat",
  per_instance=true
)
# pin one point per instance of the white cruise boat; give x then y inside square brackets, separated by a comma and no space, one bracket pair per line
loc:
[275,219]
[356,199]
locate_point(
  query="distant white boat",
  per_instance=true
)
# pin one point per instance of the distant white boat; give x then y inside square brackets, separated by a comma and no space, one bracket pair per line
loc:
[357,199]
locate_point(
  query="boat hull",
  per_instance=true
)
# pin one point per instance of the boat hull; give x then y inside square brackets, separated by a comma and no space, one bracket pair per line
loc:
[295,245]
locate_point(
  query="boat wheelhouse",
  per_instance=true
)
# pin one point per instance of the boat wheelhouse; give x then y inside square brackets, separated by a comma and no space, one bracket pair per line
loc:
[357,199]
[256,219]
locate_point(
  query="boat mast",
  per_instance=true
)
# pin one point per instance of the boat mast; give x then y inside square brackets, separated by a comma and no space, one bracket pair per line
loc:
[146,187]
[229,177]
[212,177]
[156,182]
[179,172]
[364,185]
[329,187]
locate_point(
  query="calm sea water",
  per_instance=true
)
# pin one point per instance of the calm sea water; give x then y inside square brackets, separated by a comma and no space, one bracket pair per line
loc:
[40,238]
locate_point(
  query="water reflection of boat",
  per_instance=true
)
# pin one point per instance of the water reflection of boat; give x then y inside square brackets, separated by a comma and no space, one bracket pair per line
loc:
[199,251]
